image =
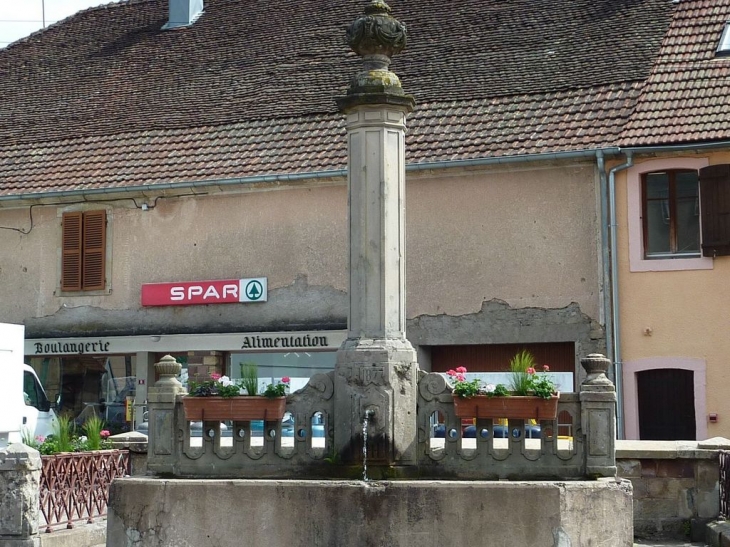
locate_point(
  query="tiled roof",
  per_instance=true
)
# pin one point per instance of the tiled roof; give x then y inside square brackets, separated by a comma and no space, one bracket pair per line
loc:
[437,132]
[687,96]
[106,98]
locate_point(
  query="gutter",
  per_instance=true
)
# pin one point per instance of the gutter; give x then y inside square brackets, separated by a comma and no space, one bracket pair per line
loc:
[336,173]
[295,177]
[615,321]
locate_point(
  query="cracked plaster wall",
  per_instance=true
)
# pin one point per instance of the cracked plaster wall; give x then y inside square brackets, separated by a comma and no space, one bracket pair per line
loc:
[493,256]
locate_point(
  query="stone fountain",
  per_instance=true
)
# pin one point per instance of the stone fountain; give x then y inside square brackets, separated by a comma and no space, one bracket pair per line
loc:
[377,406]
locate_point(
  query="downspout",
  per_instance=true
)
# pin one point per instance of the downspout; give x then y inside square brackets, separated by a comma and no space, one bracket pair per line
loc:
[613,297]
[605,255]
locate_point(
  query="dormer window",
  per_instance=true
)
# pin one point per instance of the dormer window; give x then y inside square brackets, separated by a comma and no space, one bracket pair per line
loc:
[724,47]
[183,13]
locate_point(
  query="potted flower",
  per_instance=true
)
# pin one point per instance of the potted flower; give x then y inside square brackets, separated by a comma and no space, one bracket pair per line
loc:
[220,398]
[533,395]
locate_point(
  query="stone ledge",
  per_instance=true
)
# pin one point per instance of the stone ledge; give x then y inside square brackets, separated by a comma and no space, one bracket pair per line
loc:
[83,535]
[665,450]
[718,533]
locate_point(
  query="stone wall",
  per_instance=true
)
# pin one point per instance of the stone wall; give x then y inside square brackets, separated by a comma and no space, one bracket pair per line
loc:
[151,512]
[20,474]
[676,485]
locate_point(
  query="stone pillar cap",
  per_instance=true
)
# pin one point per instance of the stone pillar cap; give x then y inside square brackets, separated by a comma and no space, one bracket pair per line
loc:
[376,37]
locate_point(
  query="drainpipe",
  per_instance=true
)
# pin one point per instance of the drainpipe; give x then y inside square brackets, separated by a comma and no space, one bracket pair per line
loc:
[613,297]
[605,255]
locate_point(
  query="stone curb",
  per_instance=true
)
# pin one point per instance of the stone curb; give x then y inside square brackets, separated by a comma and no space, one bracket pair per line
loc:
[83,535]
[718,534]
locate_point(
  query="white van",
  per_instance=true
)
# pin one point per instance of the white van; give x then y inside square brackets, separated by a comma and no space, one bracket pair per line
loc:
[24,406]
[38,417]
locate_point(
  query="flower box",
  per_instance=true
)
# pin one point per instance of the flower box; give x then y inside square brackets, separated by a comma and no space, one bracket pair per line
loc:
[244,408]
[515,407]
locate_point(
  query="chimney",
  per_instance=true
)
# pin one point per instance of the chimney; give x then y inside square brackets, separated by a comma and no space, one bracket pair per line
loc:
[183,13]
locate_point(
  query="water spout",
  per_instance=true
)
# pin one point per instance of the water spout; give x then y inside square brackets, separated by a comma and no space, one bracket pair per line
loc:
[368,414]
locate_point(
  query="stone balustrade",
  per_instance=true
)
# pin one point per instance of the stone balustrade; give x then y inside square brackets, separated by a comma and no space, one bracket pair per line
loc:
[578,444]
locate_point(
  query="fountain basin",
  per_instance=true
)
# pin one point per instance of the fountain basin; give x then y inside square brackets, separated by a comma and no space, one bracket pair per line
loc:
[156,512]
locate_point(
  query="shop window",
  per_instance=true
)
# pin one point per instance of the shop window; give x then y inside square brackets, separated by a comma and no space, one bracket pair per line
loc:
[83,262]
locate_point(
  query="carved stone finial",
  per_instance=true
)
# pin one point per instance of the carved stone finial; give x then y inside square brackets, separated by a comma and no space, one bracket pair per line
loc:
[376,37]
[596,366]
[377,34]
[168,369]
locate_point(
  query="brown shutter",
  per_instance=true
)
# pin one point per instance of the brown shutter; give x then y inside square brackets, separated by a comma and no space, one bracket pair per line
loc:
[71,252]
[715,207]
[94,250]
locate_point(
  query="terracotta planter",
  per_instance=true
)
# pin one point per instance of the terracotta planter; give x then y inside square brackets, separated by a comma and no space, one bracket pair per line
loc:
[244,408]
[514,406]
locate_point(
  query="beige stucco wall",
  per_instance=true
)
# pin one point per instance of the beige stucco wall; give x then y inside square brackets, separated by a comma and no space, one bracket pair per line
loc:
[526,236]
[679,318]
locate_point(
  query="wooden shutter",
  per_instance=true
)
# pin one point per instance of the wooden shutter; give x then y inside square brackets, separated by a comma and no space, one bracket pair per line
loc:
[715,208]
[94,250]
[71,252]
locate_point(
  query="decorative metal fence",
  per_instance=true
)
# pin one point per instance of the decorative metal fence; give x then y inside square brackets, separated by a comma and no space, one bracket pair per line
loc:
[725,484]
[75,486]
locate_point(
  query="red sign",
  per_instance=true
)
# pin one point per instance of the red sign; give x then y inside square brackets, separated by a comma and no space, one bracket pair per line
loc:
[194,292]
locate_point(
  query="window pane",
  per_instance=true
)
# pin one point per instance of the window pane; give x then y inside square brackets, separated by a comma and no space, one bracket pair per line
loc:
[688,226]
[657,185]
[687,184]
[299,366]
[657,222]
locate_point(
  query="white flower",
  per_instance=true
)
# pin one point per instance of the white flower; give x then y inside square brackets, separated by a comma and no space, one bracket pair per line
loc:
[225,381]
[489,388]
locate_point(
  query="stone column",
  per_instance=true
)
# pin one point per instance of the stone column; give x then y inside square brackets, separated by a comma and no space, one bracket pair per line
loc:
[376,372]
[161,399]
[598,417]
[20,477]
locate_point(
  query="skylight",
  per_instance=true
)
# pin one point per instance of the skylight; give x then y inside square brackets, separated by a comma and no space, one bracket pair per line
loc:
[724,47]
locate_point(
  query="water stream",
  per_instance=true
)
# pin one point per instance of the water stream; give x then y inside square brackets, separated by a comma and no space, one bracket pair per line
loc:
[368,414]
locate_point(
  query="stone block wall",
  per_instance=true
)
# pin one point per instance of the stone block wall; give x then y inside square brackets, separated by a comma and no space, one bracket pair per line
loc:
[676,486]
[20,472]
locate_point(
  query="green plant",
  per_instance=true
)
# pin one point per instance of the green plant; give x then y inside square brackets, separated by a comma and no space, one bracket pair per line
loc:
[333,458]
[469,388]
[461,386]
[520,382]
[527,382]
[63,433]
[96,435]
[250,378]
[29,440]
[540,384]
[216,386]
[278,389]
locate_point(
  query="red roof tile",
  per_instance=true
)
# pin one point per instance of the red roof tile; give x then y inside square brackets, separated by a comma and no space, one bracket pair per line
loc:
[106,99]
[687,96]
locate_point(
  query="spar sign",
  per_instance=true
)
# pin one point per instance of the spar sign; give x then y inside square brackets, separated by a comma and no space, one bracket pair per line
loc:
[223,291]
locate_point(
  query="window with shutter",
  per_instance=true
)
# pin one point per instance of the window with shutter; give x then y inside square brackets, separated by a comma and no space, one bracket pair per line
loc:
[665,215]
[715,205]
[84,251]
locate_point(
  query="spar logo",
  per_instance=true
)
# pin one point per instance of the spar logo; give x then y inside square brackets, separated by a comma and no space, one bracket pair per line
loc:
[225,291]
